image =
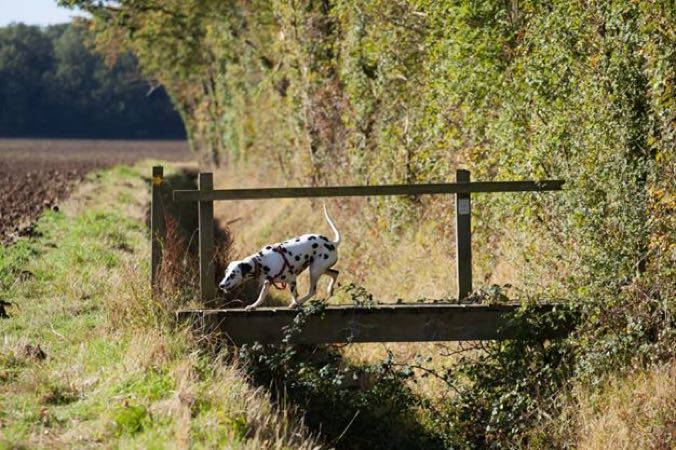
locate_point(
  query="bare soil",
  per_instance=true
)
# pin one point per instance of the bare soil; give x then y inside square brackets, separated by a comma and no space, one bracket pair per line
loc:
[36,174]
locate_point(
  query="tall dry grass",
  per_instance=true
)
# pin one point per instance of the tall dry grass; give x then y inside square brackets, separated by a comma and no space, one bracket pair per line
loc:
[636,412]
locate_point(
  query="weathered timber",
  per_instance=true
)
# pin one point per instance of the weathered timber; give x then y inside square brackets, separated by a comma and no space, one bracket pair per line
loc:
[157,225]
[361,191]
[381,323]
[206,240]
[463,236]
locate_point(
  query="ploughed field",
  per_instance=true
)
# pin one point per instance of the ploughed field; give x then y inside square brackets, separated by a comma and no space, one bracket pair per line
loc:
[36,173]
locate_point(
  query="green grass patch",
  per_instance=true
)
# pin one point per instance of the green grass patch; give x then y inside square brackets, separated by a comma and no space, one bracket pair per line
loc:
[88,358]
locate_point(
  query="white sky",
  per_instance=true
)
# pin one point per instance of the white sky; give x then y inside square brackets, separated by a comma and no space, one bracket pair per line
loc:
[34,12]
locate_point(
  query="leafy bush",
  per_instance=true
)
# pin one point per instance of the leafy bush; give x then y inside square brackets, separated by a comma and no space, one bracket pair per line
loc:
[366,406]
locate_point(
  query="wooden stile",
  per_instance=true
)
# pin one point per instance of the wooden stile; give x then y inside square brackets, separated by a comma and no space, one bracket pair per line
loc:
[381,323]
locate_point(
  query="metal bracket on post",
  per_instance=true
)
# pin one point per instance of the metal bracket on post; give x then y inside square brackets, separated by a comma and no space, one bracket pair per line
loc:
[157,226]
[463,236]
[206,241]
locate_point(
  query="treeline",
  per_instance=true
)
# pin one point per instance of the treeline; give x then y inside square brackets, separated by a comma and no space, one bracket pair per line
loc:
[53,85]
[348,91]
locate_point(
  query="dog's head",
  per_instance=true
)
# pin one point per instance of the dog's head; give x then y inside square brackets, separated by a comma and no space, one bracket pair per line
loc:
[235,274]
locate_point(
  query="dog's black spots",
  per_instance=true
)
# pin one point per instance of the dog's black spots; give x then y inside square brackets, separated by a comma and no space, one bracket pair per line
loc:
[315,245]
[297,258]
[290,254]
[330,247]
[324,238]
[283,277]
[260,253]
[312,259]
[297,240]
[268,247]
[307,256]
[266,269]
[245,268]
[312,238]
[326,256]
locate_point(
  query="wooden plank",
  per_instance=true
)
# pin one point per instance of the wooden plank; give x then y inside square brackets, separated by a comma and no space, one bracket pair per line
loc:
[356,191]
[382,323]
[463,236]
[157,226]
[206,241]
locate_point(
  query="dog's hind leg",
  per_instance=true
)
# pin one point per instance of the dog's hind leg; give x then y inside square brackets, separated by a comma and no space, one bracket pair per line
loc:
[314,278]
[334,276]
[261,296]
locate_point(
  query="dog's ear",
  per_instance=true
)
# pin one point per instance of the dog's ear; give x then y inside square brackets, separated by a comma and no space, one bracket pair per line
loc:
[245,268]
[231,266]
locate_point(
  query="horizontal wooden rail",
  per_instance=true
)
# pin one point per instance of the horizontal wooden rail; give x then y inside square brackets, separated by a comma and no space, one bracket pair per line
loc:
[357,191]
[381,323]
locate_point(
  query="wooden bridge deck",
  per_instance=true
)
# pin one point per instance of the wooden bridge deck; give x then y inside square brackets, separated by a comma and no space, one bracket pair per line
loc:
[380,323]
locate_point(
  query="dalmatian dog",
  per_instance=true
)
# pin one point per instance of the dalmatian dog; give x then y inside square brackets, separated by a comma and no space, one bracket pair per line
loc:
[280,264]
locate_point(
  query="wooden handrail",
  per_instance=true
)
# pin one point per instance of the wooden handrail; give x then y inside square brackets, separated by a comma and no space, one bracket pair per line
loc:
[363,191]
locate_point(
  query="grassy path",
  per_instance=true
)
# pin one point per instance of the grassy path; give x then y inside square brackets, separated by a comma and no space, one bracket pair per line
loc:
[88,360]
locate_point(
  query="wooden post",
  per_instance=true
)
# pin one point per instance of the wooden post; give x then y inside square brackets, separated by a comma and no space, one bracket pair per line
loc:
[463,236]
[157,226]
[206,241]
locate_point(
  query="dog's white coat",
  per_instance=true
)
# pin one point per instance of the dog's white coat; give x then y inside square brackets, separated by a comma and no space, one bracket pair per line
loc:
[312,251]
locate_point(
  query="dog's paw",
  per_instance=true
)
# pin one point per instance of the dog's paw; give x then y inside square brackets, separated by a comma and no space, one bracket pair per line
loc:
[250,308]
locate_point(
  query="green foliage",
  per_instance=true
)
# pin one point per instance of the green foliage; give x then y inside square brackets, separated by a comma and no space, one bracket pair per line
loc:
[152,385]
[491,392]
[53,85]
[130,419]
[367,406]
[500,387]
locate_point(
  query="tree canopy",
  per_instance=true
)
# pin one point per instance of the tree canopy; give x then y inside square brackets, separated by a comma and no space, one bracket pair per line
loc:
[53,85]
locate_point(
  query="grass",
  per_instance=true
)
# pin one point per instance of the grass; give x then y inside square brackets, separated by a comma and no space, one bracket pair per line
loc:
[632,411]
[636,411]
[88,359]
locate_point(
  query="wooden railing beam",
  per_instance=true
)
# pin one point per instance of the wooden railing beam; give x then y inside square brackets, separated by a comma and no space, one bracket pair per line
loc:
[364,191]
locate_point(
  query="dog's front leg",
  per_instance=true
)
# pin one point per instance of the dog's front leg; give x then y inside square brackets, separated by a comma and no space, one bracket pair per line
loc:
[261,296]
[293,289]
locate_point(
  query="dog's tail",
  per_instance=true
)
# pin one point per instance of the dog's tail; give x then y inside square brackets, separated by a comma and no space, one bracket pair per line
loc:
[336,239]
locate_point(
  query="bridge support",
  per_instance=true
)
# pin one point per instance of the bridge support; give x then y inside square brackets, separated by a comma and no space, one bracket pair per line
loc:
[381,323]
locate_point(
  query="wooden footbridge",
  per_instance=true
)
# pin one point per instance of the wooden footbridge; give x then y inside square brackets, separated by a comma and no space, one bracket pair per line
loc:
[380,323]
